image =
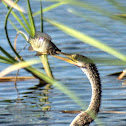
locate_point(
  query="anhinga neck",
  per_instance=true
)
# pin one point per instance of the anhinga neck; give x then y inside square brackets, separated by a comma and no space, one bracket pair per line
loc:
[86,117]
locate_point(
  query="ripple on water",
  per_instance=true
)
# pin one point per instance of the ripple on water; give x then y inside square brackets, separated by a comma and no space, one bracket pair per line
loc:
[32,104]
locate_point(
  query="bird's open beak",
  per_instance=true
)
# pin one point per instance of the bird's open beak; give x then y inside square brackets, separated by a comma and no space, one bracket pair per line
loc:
[69,58]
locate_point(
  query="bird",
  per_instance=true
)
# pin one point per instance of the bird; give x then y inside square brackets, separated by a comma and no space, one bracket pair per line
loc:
[89,68]
[42,43]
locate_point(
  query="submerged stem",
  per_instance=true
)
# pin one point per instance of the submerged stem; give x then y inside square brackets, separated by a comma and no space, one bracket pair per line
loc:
[46,66]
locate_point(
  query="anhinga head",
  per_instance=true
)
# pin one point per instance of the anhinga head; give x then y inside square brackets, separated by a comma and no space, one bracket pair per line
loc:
[75,59]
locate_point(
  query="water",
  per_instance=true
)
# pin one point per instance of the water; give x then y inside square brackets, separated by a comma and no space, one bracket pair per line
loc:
[34,104]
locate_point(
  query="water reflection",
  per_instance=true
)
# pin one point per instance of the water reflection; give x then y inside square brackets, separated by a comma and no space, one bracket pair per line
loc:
[32,103]
[38,103]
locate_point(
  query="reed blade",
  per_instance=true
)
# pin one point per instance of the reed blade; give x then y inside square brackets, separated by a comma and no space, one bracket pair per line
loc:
[31,20]
[87,39]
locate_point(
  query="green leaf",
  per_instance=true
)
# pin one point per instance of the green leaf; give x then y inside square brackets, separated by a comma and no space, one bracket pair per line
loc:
[7,54]
[11,3]
[25,20]
[41,17]
[13,25]
[94,20]
[49,80]
[49,8]
[44,58]
[4,61]
[16,17]
[87,39]
[20,22]
[108,61]
[31,20]
[93,8]
[117,5]
[46,65]
[6,32]
[7,60]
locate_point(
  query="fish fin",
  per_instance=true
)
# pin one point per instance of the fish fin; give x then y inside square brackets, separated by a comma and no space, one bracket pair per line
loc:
[30,48]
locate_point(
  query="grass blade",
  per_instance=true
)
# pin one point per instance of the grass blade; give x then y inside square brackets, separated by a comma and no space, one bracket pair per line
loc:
[31,20]
[42,28]
[7,54]
[13,25]
[93,8]
[11,3]
[29,69]
[25,20]
[6,32]
[20,22]
[18,66]
[117,5]
[44,58]
[55,83]
[7,60]
[4,61]
[87,39]
[16,17]
[49,8]
[46,66]
[93,20]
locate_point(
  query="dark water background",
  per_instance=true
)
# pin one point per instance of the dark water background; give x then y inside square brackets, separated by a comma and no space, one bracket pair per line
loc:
[33,104]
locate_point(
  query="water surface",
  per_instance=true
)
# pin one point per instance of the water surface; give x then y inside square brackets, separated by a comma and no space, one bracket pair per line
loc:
[34,104]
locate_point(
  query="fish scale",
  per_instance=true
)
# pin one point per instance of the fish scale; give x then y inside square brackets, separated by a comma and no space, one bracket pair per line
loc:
[42,43]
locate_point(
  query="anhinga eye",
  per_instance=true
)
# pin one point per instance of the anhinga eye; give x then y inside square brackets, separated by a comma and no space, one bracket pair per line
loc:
[75,57]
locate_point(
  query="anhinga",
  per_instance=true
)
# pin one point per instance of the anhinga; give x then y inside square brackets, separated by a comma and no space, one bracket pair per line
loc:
[89,68]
